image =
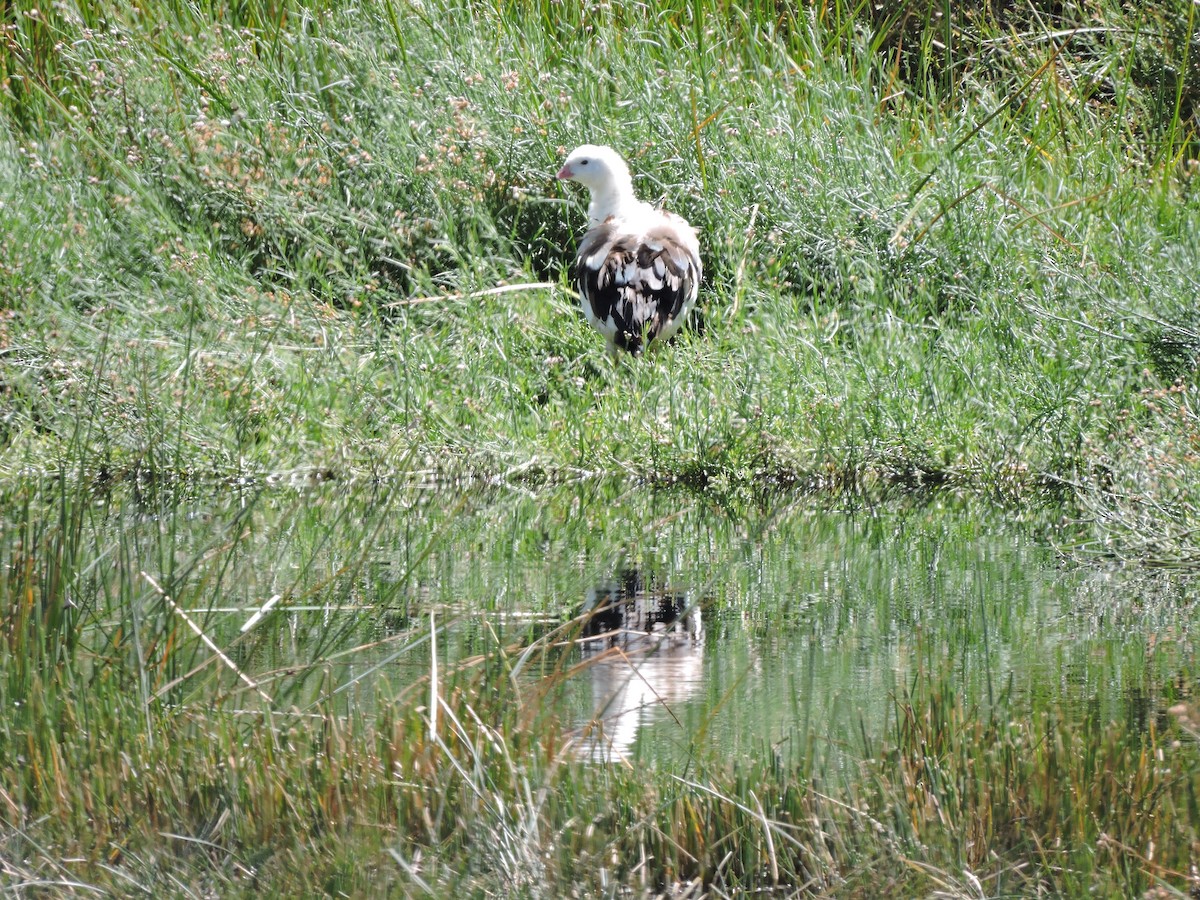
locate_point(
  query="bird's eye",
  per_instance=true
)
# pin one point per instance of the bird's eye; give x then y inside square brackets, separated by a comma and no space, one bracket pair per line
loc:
[583,162]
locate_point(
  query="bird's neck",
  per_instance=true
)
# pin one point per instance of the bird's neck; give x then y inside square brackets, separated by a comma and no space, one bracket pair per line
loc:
[616,200]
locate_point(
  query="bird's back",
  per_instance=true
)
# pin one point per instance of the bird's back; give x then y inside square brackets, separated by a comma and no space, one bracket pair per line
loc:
[638,280]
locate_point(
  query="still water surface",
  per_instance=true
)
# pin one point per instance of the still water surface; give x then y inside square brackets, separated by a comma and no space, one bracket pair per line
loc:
[789,623]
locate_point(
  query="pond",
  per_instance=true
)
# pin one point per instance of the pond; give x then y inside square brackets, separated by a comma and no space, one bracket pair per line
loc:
[786,622]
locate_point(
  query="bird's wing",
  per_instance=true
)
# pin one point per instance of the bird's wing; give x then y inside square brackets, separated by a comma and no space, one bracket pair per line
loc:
[636,284]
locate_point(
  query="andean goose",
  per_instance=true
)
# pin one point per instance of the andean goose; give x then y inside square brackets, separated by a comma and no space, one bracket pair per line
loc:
[638,268]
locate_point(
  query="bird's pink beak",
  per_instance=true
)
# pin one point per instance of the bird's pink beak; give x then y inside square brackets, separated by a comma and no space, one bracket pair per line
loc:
[564,173]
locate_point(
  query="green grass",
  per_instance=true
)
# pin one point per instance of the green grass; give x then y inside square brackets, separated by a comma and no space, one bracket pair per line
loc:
[942,246]
[216,234]
[134,759]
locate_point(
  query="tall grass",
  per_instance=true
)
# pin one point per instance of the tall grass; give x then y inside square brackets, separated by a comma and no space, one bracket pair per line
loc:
[259,242]
[953,275]
[134,756]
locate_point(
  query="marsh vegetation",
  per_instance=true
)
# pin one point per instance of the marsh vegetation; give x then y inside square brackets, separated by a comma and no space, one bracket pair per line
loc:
[285,327]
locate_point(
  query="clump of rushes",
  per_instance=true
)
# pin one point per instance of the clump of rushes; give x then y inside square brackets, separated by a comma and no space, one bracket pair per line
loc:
[463,781]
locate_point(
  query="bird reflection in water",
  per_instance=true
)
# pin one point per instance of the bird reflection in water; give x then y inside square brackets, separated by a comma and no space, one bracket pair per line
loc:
[643,651]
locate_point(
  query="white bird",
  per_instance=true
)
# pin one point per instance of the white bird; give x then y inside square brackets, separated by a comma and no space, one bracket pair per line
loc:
[638,268]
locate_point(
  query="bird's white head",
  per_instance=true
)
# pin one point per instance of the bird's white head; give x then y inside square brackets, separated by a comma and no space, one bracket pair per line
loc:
[594,167]
[602,171]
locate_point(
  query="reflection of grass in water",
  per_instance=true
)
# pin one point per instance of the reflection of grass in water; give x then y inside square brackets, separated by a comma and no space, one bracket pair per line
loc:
[127,742]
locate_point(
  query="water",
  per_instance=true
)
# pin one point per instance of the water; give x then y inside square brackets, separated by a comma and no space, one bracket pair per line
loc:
[718,626]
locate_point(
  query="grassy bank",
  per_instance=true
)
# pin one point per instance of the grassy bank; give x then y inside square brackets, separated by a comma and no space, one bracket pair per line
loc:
[271,241]
[246,247]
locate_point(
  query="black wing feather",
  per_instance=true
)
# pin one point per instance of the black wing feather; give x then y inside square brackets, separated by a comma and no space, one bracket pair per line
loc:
[639,284]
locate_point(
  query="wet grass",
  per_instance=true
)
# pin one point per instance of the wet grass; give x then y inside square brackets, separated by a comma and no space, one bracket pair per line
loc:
[152,745]
[267,241]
